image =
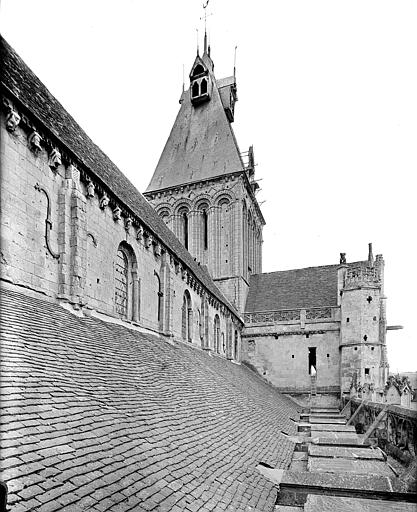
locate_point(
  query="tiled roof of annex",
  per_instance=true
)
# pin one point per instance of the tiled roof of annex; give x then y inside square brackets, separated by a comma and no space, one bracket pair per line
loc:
[32,93]
[293,289]
[100,417]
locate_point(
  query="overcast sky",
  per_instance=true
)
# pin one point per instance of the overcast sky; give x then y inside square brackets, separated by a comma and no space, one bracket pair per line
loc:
[327,95]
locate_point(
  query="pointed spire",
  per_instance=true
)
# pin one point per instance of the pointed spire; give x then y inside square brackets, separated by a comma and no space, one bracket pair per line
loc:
[205,41]
[234,65]
[370,256]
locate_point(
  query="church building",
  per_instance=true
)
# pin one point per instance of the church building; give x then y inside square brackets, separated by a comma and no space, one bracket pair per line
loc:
[143,351]
[328,319]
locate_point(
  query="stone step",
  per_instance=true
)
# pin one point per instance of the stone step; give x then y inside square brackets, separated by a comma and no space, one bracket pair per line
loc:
[344,452]
[343,441]
[334,435]
[331,428]
[325,409]
[335,421]
[356,467]
[317,503]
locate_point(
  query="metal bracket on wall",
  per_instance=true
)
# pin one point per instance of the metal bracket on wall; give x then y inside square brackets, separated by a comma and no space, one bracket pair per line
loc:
[48,222]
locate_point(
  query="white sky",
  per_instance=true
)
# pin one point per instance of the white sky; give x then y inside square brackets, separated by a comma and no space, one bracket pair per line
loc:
[327,96]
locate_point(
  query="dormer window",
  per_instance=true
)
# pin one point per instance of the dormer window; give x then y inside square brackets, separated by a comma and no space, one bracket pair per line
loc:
[198,70]
[200,86]
[195,90]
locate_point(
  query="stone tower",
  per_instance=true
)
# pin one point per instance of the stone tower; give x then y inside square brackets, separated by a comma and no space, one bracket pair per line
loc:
[363,356]
[204,187]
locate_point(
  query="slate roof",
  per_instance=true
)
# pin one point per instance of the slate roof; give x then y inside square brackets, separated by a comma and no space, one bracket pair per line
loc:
[201,144]
[98,417]
[293,289]
[30,91]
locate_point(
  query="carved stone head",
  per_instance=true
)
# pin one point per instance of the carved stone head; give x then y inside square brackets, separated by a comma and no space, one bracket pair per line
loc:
[35,141]
[117,214]
[12,120]
[90,189]
[55,159]
[104,201]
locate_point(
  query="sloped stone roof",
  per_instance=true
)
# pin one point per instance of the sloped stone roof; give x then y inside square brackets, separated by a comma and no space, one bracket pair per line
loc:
[201,145]
[31,92]
[293,289]
[100,417]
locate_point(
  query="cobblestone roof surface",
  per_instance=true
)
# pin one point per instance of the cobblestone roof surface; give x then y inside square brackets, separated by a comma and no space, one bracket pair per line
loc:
[27,87]
[99,417]
[291,289]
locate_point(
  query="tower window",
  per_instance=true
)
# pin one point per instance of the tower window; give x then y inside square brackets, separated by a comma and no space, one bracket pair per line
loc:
[374,318]
[292,356]
[367,372]
[328,355]
[185,228]
[203,86]
[205,229]
[373,348]
[365,338]
[195,91]
[198,70]
[347,320]
[369,299]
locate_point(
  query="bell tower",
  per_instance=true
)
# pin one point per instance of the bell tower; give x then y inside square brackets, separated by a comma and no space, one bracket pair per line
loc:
[204,187]
[363,356]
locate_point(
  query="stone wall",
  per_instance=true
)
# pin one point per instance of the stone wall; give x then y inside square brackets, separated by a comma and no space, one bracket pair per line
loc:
[60,235]
[396,433]
[277,344]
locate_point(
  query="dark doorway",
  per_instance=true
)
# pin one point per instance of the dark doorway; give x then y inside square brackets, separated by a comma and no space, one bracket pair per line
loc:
[311,359]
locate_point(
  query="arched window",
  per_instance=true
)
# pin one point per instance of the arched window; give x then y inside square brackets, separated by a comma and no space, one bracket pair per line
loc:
[121,297]
[225,236]
[195,90]
[223,343]
[187,319]
[198,70]
[217,334]
[183,226]
[205,229]
[203,86]
[236,347]
[126,284]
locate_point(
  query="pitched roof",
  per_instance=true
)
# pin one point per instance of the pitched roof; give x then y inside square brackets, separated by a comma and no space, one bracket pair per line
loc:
[293,289]
[201,144]
[30,91]
[98,415]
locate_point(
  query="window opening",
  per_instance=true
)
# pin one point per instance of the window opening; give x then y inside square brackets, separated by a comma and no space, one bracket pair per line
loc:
[185,218]
[198,70]
[292,356]
[236,345]
[195,90]
[366,372]
[121,288]
[205,229]
[365,337]
[203,86]
[328,355]
[347,319]
[369,299]
[311,359]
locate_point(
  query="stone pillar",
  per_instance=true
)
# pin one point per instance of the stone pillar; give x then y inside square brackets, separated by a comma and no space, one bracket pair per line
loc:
[135,294]
[78,239]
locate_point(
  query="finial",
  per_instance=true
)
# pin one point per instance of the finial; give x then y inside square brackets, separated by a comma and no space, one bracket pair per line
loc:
[183,78]
[205,4]
[198,49]
[370,256]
